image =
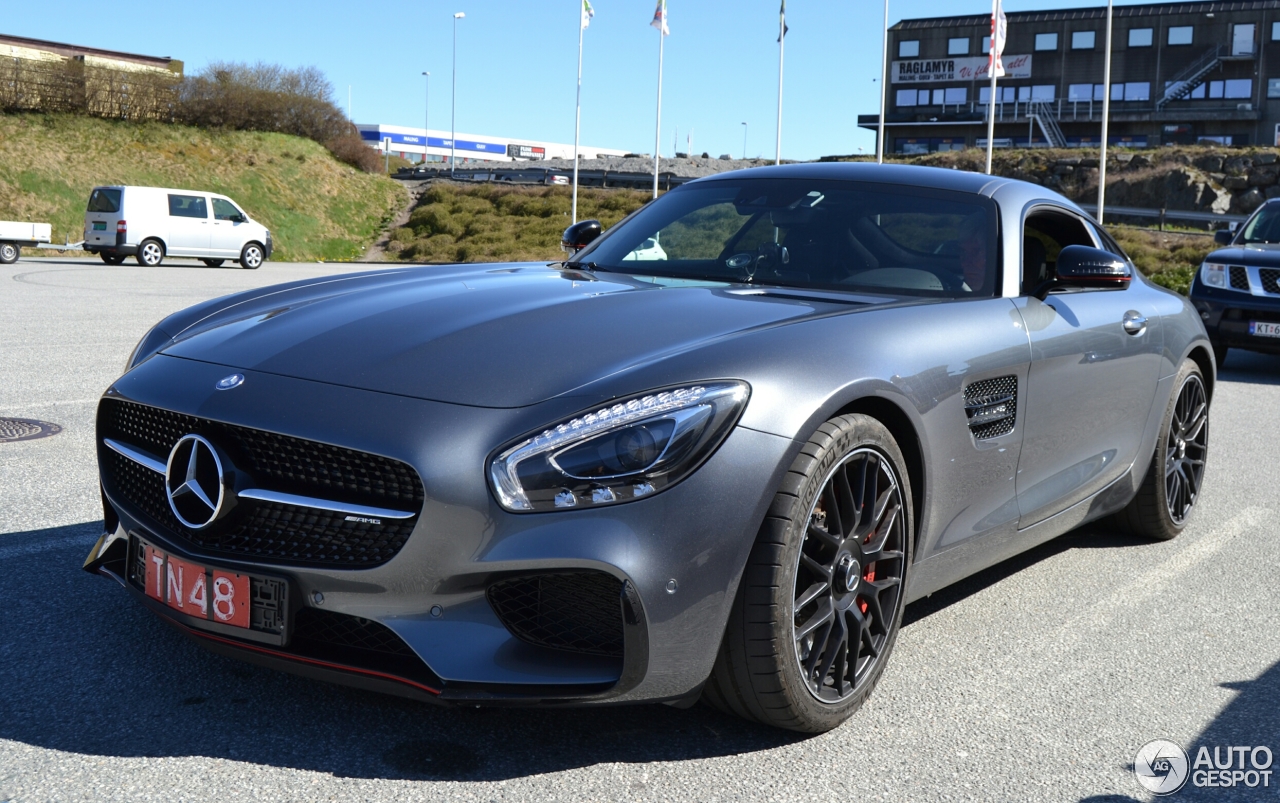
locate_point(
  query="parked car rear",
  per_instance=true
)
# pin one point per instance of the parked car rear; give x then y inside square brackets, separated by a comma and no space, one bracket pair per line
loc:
[150,223]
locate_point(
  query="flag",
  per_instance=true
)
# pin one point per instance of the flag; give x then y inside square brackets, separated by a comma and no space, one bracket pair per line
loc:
[999,32]
[782,20]
[587,13]
[660,18]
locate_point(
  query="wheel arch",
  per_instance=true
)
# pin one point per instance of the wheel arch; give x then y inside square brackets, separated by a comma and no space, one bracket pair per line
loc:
[1203,358]
[907,435]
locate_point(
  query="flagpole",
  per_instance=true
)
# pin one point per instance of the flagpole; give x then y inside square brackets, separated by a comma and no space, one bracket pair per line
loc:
[1106,114]
[657,134]
[577,117]
[991,98]
[884,86]
[782,42]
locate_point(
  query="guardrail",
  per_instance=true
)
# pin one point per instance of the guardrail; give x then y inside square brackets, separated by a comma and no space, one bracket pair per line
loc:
[1166,214]
[550,177]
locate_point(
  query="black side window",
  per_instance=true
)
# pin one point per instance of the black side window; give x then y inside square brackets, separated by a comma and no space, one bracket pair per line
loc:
[225,210]
[188,206]
[1044,236]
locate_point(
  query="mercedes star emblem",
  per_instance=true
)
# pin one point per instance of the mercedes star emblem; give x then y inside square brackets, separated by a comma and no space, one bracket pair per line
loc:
[194,482]
[229,382]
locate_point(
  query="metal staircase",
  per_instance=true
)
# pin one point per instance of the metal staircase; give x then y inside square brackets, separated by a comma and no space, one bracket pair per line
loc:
[1044,116]
[1192,76]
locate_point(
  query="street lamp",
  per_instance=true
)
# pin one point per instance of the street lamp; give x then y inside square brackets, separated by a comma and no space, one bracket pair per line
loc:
[453,123]
[426,119]
[744,141]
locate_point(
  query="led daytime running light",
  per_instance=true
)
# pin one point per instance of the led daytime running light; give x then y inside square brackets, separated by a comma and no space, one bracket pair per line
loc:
[504,468]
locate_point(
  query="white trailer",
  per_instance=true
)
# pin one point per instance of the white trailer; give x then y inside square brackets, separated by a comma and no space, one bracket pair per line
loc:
[13,236]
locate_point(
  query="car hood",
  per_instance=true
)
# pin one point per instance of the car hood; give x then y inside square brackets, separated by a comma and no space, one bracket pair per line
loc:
[1260,255]
[505,336]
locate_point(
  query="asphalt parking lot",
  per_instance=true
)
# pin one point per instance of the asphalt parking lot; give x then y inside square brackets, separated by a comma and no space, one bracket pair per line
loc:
[1036,680]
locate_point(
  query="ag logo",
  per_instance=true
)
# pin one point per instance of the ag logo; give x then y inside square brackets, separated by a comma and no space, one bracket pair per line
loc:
[1161,767]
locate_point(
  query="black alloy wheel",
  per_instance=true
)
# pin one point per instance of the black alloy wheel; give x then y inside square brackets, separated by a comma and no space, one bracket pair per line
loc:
[1186,448]
[1175,476]
[849,574]
[820,602]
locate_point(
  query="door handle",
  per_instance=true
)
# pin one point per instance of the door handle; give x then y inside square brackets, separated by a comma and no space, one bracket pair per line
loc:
[1134,322]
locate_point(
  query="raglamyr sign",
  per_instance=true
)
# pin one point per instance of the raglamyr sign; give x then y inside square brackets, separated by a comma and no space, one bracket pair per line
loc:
[921,71]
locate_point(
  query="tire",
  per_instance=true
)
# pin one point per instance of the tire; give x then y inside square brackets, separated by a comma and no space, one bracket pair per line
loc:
[252,257]
[9,253]
[1168,495]
[802,569]
[213,263]
[150,253]
[1220,353]
[112,259]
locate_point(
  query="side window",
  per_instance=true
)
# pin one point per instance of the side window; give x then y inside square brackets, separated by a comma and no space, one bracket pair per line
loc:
[1108,243]
[188,206]
[225,210]
[1044,235]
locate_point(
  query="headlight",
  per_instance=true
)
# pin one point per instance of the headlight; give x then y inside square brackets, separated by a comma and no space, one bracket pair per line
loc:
[618,453]
[154,340]
[1213,275]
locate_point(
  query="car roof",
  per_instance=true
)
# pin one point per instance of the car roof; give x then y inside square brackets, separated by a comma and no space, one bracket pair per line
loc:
[909,175]
[158,189]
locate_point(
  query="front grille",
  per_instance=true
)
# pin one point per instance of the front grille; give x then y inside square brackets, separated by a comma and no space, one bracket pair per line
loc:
[989,391]
[1270,280]
[575,611]
[1239,277]
[269,532]
[349,632]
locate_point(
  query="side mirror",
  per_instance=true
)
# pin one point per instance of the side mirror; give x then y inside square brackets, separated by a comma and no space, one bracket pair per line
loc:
[580,235]
[1223,236]
[1088,268]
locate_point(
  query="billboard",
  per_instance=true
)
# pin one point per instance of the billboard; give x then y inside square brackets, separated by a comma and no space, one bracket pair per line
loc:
[973,68]
[526,152]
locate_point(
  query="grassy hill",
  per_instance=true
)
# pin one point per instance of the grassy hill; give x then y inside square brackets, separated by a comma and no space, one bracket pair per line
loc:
[496,222]
[315,206]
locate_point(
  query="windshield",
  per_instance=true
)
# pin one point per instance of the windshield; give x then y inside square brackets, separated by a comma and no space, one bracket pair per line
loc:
[822,234]
[1264,227]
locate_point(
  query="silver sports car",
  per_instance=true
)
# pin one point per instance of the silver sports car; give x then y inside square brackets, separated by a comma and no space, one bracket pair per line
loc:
[710,456]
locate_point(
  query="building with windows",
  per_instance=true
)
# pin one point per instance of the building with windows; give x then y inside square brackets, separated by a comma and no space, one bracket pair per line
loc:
[1180,73]
[418,145]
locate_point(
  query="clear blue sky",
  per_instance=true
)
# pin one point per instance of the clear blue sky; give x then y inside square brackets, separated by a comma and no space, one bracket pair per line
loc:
[517,61]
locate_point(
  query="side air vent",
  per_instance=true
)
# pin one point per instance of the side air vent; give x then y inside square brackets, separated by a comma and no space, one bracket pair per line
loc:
[991,406]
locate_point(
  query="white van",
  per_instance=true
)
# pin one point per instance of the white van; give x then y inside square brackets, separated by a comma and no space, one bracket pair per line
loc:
[150,223]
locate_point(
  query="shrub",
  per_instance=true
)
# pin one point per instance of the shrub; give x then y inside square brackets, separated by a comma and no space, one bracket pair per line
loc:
[268,97]
[349,148]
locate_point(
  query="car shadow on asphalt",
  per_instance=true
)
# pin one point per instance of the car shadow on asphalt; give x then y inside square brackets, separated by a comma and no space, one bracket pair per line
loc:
[1250,720]
[89,671]
[1250,367]
[1090,536]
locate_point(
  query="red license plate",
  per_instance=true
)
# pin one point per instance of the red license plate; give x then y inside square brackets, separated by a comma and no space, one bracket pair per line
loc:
[212,594]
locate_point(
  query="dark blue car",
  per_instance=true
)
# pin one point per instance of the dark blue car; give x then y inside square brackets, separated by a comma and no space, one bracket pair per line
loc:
[1237,290]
